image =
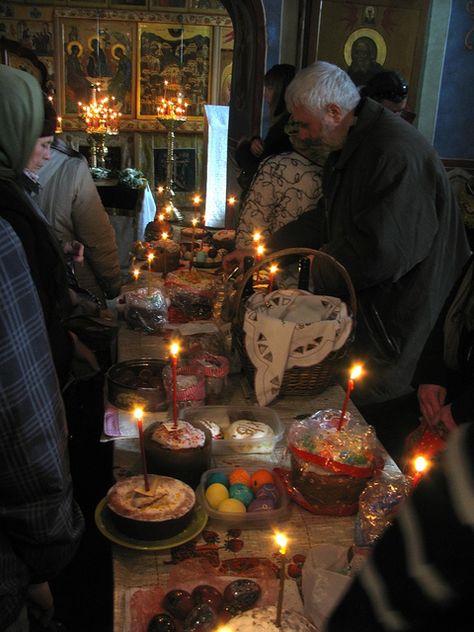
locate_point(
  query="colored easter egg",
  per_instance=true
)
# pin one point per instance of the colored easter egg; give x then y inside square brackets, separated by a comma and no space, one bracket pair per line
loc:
[242,594]
[241,492]
[232,505]
[162,623]
[239,475]
[259,478]
[216,493]
[268,491]
[178,603]
[204,593]
[217,477]
[261,504]
[202,618]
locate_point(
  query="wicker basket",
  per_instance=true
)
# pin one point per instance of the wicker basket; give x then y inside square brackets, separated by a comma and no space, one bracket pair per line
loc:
[296,380]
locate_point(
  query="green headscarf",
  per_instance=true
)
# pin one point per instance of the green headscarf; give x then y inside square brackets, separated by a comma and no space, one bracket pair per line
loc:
[21,120]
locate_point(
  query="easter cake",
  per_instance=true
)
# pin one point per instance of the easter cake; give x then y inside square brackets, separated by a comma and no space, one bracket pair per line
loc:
[161,512]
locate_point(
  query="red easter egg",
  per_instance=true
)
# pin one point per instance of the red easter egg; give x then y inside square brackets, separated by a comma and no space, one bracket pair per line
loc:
[259,478]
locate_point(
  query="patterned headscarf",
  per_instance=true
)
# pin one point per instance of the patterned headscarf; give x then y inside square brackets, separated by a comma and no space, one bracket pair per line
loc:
[21,120]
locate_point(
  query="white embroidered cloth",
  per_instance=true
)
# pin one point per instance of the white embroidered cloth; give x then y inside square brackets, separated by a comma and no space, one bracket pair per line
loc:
[291,328]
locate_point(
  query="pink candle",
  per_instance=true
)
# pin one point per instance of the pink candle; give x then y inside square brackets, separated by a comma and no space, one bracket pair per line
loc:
[174,350]
[138,413]
[355,373]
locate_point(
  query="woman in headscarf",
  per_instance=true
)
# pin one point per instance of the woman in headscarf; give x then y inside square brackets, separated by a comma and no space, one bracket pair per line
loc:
[24,130]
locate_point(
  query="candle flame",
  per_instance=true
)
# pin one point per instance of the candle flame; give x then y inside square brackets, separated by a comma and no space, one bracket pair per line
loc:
[257,237]
[136,273]
[260,250]
[150,256]
[194,221]
[232,200]
[282,541]
[356,371]
[273,268]
[174,349]
[197,199]
[138,413]
[161,217]
[160,189]
[164,236]
[420,463]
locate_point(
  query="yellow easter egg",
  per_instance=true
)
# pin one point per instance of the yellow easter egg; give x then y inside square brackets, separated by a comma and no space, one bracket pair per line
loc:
[216,493]
[231,505]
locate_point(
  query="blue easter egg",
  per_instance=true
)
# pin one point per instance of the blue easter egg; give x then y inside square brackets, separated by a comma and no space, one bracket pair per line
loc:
[217,477]
[241,492]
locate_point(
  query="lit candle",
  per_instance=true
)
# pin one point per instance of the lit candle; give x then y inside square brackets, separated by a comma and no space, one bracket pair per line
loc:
[160,189]
[282,541]
[150,258]
[420,466]
[161,217]
[259,254]
[356,372]
[174,351]
[136,274]
[59,125]
[231,201]
[164,237]
[194,221]
[273,271]
[256,237]
[138,414]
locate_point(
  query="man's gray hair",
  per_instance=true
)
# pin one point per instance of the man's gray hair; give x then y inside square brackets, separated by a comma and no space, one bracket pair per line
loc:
[319,84]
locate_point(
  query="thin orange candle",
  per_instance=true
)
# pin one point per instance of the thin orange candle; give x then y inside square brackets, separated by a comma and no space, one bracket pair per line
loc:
[174,352]
[136,274]
[150,258]
[282,542]
[273,271]
[420,465]
[356,372]
[138,414]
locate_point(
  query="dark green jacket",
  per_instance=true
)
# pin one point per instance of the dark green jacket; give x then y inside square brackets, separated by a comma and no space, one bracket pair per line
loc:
[391,219]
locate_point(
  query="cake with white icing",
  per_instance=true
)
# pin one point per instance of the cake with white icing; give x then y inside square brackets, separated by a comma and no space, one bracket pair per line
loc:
[162,511]
[250,436]
[182,451]
[263,620]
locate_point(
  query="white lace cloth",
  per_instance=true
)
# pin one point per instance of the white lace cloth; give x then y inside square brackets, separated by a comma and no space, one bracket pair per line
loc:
[291,328]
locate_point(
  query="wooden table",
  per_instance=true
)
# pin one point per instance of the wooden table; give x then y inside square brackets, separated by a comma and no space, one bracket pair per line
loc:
[150,570]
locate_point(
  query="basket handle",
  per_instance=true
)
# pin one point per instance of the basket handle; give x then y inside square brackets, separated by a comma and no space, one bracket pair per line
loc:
[303,252]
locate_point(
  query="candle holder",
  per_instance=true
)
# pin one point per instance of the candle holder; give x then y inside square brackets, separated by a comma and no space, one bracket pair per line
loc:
[101,120]
[171,114]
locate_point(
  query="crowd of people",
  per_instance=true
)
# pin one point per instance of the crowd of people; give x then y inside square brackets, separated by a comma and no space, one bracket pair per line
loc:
[339,171]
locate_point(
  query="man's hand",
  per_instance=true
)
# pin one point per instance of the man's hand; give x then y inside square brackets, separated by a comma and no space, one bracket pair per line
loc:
[444,421]
[40,603]
[431,398]
[236,258]
[75,250]
[256,147]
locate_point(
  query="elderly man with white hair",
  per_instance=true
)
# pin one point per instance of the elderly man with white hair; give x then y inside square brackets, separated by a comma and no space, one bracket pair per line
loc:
[389,216]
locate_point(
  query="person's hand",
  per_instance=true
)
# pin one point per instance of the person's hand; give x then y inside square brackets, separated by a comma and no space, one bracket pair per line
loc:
[75,250]
[256,147]
[236,258]
[431,398]
[83,353]
[40,603]
[444,422]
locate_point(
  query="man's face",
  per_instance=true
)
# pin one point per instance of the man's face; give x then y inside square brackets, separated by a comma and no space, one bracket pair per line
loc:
[40,154]
[319,129]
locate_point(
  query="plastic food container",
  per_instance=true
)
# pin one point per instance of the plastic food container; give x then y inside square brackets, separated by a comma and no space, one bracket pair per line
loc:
[222,417]
[259,519]
[137,383]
